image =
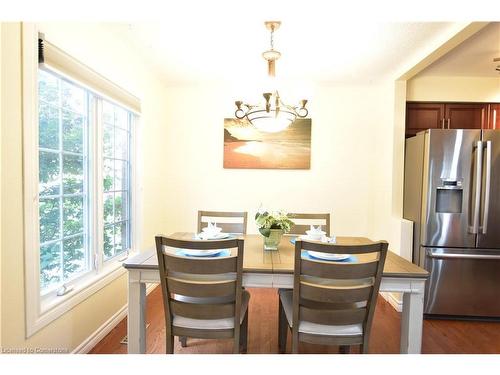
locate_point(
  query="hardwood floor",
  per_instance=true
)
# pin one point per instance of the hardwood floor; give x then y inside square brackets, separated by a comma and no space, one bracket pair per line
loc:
[439,336]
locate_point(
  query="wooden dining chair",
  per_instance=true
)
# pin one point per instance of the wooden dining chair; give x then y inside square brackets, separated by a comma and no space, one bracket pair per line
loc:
[332,303]
[203,296]
[309,219]
[238,226]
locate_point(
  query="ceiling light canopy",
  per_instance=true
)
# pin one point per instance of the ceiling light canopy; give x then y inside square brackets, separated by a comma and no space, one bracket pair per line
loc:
[272,115]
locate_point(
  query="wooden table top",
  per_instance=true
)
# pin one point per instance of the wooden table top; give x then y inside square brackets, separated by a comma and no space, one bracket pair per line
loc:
[257,260]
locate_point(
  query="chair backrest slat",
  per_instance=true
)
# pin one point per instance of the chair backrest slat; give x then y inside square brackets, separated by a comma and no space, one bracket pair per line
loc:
[200,244]
[334,295]
[239,227]
[332,270]
[209,311]
[327,316]
[299,228]
[201,289]
[340,249]
[201,266]
[235,228]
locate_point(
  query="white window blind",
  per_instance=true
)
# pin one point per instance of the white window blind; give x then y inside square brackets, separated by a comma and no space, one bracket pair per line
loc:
[59,60]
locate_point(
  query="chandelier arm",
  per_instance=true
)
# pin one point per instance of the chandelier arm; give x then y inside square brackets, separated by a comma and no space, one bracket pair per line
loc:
[240,114]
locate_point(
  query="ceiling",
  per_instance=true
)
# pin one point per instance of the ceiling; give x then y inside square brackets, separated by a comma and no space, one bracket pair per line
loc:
[228,47]
[474,57]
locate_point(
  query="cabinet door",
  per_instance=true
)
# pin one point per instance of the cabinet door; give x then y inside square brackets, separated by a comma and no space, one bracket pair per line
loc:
[494,116]
[466,116]
[423,116]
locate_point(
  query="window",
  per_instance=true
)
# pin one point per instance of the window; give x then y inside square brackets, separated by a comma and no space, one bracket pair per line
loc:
[81,205]
[70,120]
[63,180]
[116,172]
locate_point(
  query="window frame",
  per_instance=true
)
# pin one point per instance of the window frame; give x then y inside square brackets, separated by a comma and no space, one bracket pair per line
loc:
[43,309]
[131,119]
[87,192]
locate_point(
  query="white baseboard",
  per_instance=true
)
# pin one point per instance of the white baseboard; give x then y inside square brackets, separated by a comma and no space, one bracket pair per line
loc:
[101,332]
[394,300]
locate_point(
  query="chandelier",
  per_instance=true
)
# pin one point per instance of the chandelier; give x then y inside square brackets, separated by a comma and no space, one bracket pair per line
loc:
[272,115]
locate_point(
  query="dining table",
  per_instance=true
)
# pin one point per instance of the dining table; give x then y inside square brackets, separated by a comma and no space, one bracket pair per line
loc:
[274,269]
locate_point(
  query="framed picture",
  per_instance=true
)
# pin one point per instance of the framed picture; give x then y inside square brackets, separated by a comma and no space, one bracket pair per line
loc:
[247,147]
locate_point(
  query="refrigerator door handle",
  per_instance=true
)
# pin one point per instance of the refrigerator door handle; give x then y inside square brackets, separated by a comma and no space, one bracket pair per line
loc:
[487,187]
[477,177]
[432,254]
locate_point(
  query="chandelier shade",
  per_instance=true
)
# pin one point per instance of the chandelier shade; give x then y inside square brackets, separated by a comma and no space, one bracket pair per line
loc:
[272,115]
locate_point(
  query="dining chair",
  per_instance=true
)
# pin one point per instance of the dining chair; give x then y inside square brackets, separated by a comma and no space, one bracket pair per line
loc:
[332,302]
[238,226]
[203,296]
[309,219]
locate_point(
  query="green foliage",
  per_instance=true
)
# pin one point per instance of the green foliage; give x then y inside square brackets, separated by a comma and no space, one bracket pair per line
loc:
[49,172]
[108,208]
[50,256]
[119,213]
[72,215]
[48,136]
[74,255]
[108,241]
[72,132]
[107,141]
[49,219]
[276,220]
[72,174]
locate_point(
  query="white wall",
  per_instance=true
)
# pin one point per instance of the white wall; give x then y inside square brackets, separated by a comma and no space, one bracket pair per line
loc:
[460,89]
[347,123]
[105,53]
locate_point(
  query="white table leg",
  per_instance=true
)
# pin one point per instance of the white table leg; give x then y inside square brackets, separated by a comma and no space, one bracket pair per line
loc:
[136,314]
[412,319]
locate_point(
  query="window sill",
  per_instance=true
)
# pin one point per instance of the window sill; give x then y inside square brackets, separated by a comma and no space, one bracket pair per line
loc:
[54,306]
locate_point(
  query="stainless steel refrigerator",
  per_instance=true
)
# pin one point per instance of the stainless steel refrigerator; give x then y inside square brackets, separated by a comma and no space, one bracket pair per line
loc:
[452,194]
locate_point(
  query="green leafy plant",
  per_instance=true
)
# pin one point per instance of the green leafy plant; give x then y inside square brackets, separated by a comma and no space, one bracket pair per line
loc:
[275,220]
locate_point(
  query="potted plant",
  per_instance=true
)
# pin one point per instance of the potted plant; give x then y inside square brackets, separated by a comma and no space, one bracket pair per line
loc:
[272,226]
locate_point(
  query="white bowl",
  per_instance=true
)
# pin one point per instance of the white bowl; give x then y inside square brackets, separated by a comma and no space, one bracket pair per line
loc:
[315,235]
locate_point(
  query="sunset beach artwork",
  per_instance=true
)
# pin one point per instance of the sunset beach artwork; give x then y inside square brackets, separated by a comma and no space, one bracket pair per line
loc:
[247,147]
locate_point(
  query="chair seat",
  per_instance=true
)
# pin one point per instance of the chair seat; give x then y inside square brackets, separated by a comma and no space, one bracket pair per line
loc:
[317,329]
[226,323]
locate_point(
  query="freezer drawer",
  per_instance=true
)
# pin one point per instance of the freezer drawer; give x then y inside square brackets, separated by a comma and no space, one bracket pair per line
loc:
[463,282]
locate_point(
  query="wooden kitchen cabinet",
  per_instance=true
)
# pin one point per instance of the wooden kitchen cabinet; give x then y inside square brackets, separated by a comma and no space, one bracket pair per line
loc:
[466,116]
[494,116]
[422,116]
[432,115]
